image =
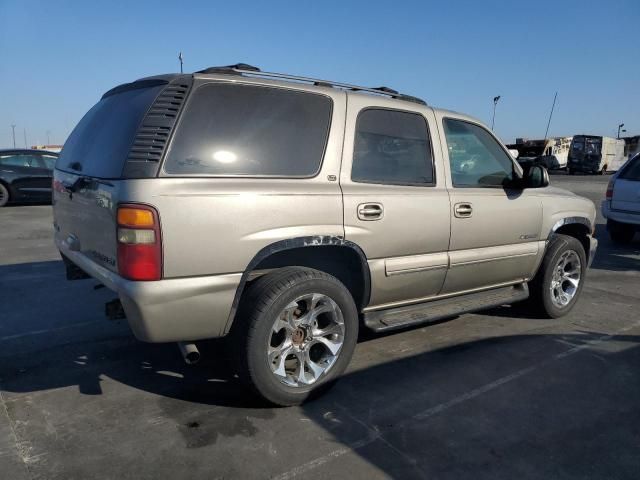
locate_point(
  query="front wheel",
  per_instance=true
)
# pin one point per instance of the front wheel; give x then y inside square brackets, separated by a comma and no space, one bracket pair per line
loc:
[557,285]
[297,332]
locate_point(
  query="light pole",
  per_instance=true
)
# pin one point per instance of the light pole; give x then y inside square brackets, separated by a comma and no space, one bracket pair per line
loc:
[495,103]
[13,128]
[619,127]
[180,58]
[48,137]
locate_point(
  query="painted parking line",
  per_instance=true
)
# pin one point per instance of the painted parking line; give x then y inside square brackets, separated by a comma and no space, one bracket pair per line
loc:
[50,330]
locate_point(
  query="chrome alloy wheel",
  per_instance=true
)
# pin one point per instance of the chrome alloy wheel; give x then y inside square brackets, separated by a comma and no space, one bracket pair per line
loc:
[306,339]
[565,279]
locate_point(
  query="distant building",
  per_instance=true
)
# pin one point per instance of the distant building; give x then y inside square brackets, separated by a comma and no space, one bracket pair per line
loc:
[49,148]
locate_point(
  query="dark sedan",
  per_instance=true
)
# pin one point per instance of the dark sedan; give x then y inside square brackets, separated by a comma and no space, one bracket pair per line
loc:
[25,175]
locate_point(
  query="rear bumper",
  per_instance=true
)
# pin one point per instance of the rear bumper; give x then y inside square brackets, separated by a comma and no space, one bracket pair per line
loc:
[619,216]
[171,310]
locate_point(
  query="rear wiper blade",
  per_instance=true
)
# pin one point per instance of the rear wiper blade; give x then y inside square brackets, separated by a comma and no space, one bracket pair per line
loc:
[76,185]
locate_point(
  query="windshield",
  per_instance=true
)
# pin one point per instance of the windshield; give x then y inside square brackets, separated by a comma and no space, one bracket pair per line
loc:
[593,146]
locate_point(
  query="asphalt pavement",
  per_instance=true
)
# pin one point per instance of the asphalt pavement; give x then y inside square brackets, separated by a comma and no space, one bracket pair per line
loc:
[498,395]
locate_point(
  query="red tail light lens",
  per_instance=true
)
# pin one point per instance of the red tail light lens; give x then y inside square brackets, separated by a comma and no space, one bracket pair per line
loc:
[139,242]
[609,194]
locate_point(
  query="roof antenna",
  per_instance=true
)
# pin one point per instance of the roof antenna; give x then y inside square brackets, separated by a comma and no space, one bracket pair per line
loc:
[180,58]
[550,115]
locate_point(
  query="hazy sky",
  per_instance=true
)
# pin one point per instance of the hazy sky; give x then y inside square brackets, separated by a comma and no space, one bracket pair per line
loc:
[57,58]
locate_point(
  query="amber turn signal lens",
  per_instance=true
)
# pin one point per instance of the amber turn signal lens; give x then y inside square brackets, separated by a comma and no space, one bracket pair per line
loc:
[135,217]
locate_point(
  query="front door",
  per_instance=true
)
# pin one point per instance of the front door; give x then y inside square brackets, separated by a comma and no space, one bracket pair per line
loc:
[494,229]
[396,205]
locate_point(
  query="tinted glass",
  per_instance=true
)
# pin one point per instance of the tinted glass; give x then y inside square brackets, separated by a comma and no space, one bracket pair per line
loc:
[48,161]
[100,143]
[593,146]
[632,170]
[16,160]
[476,158]
[392,147]
[250,130]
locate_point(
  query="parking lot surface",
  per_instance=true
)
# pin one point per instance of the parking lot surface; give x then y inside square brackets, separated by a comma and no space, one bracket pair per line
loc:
[499,394]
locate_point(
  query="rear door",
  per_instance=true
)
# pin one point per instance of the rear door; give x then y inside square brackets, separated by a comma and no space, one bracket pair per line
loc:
[626,190]
[88,177]
[396,206]
[41,175]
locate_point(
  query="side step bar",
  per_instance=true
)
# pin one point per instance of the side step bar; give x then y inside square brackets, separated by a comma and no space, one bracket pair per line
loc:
[400,317]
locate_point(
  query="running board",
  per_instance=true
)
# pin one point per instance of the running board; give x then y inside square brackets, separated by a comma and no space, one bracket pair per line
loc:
[400,317]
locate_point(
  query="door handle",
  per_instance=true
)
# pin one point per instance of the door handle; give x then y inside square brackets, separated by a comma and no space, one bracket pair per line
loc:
[370,211]
[462,210]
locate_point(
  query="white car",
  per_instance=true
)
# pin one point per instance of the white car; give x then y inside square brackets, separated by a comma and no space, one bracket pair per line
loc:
[621,207]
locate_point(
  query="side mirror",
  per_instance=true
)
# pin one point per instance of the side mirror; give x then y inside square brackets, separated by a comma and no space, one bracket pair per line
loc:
[514,153]
[536,176]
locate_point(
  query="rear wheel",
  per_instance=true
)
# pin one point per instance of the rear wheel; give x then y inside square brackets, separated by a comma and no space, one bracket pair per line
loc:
[296,334]
[620,232]
[571,171]
[4,195]
[604,170]
[557,285]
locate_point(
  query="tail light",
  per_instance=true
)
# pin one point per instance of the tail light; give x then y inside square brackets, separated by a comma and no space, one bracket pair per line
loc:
[139,242]
[609,194]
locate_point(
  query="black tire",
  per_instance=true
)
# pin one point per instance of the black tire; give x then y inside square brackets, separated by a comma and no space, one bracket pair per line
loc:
[4,195]
[571,171]
[620,233]
[604,170]
[264,301]
[540,286]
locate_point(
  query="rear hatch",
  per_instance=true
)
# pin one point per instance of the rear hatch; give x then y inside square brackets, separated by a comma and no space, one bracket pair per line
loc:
[121,138]
[626,190]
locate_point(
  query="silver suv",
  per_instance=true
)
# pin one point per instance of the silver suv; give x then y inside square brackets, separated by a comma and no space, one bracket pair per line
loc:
[286,213]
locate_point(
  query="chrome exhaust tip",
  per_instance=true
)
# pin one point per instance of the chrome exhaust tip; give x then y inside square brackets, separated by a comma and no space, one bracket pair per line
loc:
[189,352]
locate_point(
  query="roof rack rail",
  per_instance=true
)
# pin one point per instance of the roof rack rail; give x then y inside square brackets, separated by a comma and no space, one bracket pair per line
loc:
[249,70]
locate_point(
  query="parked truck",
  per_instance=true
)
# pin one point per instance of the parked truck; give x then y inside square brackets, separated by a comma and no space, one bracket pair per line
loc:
[549,152]
[595,154]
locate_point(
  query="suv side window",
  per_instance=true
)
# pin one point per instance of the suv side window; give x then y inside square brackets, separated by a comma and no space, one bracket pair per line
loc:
[392,147]
[476,158]
[250,130]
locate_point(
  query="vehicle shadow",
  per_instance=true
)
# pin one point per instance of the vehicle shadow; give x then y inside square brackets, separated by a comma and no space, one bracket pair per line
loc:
[614,257]
[461,408]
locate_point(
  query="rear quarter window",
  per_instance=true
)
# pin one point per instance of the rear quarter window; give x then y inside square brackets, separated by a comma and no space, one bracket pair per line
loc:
[252,131]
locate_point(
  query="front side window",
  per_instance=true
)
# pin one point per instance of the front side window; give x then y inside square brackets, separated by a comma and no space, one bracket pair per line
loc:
[392,147]
[16,160]
[476,158]
[250,130]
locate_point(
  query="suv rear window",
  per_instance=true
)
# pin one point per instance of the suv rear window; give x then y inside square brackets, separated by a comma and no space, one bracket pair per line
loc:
[100,143]
[632,170]
[250,130]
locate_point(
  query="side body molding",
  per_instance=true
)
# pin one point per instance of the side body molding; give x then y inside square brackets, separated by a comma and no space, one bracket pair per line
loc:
[295,243]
